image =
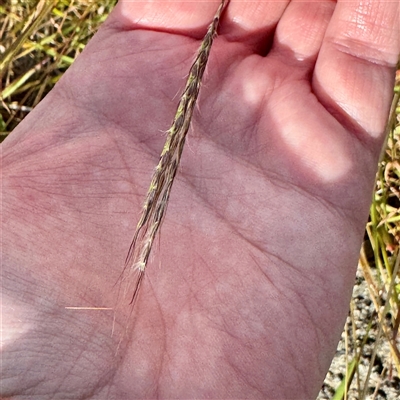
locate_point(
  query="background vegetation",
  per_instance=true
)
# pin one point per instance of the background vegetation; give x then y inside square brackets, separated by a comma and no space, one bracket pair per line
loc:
[39,40]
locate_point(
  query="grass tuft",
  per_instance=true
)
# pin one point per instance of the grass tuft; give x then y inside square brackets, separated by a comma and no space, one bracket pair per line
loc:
[39,40]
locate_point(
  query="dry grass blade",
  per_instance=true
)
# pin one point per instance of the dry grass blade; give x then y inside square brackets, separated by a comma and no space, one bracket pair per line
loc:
[157,197]
[45,8]
[39,40]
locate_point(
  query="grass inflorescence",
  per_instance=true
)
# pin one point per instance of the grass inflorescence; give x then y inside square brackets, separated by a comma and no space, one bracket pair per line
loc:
[157,198]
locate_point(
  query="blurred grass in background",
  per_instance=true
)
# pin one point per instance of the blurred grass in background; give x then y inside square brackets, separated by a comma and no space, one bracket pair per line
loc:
[39,40]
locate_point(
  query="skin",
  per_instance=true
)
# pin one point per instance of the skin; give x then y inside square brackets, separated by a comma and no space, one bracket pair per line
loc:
[247,290]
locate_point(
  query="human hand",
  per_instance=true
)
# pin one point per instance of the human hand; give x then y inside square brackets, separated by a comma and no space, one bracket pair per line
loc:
[247,291]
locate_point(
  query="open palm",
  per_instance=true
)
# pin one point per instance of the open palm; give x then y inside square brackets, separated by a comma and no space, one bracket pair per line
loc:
[247,289]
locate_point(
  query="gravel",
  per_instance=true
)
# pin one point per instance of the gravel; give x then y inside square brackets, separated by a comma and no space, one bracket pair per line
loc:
[384,382]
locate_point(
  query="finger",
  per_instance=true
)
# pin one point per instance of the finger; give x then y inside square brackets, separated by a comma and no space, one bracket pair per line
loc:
[301,30]
[253,22]
[186,17]
[354,72]
[246,22]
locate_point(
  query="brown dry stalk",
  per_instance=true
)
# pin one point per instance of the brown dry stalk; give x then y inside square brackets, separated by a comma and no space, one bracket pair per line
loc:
[156,202]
